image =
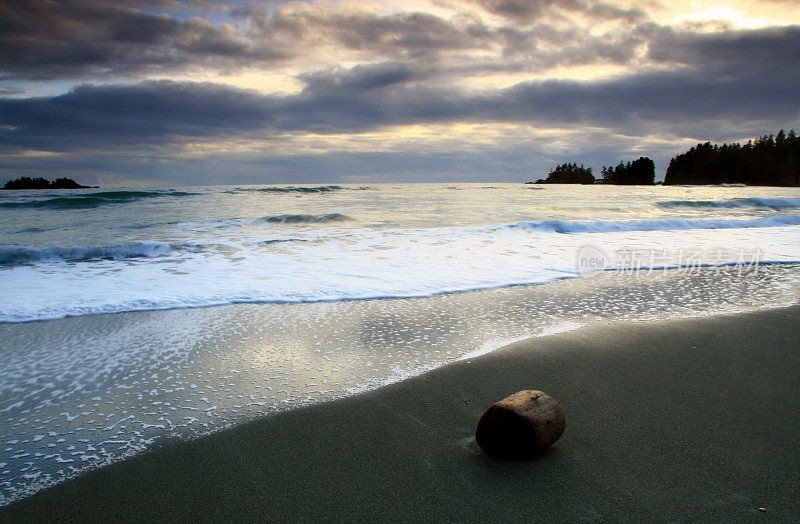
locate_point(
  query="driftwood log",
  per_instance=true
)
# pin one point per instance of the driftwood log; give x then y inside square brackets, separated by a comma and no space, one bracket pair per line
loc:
[522,425]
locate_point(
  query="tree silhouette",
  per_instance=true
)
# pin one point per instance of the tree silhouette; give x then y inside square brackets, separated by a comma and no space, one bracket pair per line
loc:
[770,160]
[638,172]
[569,174]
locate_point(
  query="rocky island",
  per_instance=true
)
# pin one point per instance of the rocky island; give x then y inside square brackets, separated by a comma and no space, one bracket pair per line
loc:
[42,183]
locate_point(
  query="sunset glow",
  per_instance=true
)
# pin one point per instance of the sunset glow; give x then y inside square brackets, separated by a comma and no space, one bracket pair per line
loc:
[206,82]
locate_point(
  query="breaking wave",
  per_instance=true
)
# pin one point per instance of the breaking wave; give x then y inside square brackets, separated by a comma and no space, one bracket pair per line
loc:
[665,224]
[288,189]
[763,203]
[92,200]
[298,189]
[21,255]
[300,219]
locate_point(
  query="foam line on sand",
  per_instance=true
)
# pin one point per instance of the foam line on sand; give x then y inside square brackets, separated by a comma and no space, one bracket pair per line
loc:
[682,420]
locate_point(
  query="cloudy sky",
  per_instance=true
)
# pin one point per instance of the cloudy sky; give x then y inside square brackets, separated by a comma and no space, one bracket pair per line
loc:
[199,91]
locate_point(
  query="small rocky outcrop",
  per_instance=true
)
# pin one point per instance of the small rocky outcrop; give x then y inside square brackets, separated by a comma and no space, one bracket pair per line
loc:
[42,183]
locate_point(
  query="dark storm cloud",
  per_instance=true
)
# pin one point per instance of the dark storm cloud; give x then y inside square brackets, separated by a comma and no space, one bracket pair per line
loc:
[422,37]
[47,39]
[53,39]
[543,46]
[369,97]
[401,33]
[526,11]
[361,77]
[769,48]
[145,113]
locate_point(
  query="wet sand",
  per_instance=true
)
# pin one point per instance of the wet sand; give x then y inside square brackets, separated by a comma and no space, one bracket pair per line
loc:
[678,420]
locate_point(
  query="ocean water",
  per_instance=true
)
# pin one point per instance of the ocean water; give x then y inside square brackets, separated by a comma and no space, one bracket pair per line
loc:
[109,345]
[86,252]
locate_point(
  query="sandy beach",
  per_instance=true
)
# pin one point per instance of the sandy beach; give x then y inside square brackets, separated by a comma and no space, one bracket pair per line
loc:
[677,420]
[279,260]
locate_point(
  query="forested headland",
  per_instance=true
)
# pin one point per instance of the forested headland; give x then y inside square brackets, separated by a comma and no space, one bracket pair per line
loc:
[770,160]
